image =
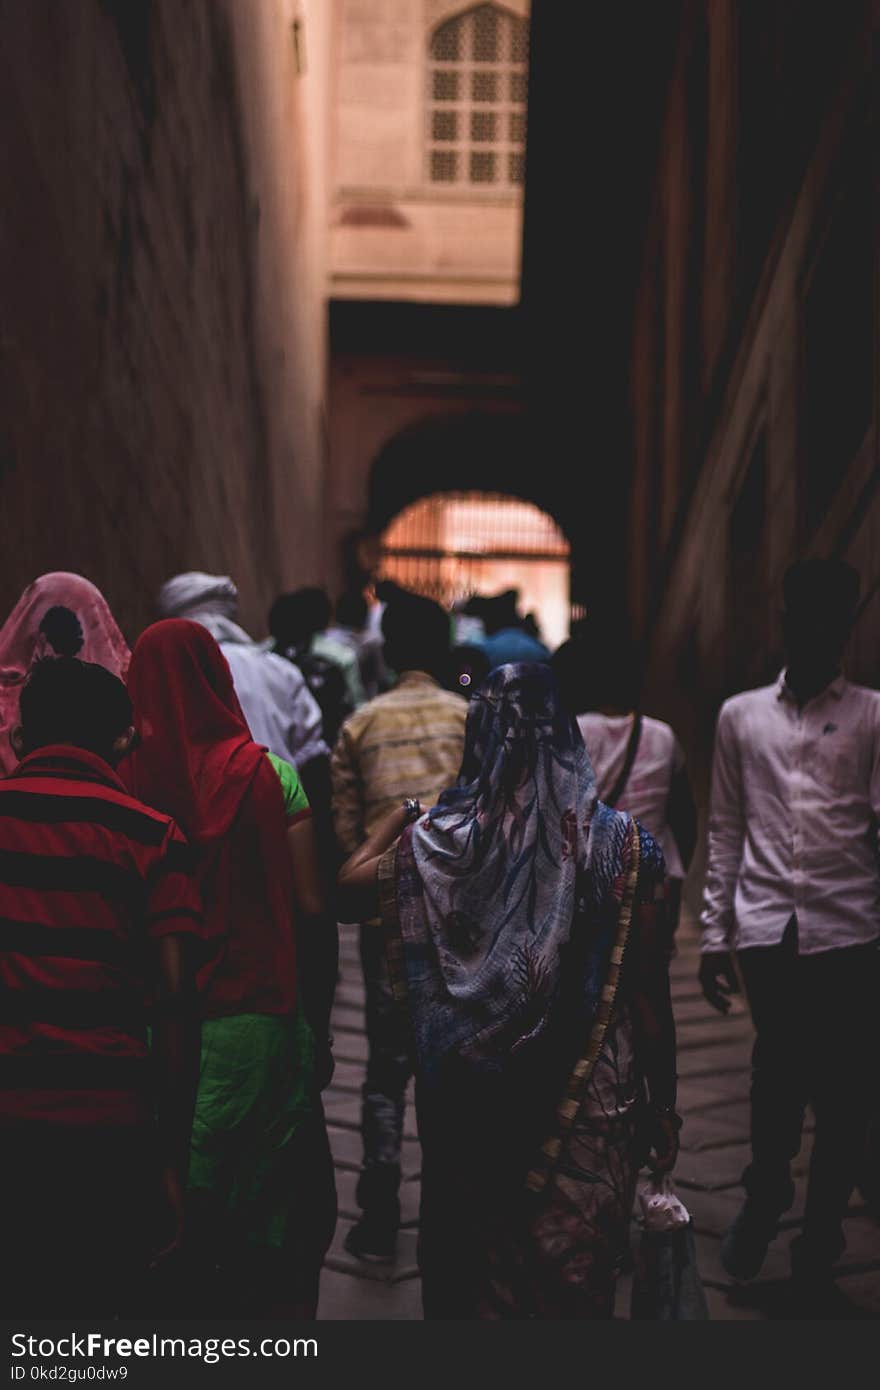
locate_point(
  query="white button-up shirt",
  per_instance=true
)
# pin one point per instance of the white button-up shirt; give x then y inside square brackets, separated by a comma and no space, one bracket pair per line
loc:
[646,794]
[793,821]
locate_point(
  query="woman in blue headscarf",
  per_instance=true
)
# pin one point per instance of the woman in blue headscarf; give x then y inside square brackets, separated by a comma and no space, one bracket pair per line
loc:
[526,942]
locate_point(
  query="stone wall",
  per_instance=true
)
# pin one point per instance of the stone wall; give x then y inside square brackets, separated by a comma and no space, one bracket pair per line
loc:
[755,357]
[162,370]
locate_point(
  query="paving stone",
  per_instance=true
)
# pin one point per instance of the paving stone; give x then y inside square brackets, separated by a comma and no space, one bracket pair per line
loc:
[623,1298]
[346,1297]
[714,1061]
[699,1093]
[689,1009]
[862,1234]
[724,1307]
[712,1171]
[736,1111]
[346,1020]
[795,1214]
[685,965]
[711,1129]
[687,942]
[350,1047]
[348,1076]
[863,1290]
[349,994]
[403,1267]
[685,992]
[716,1169]
[710,1032]
[684,977]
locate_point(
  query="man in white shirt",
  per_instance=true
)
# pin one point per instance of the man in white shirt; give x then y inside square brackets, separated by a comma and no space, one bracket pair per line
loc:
[793,887]
[638,761]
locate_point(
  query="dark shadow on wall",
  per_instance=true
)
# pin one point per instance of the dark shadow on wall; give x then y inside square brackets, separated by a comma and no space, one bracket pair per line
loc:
[133,21]
[471,452]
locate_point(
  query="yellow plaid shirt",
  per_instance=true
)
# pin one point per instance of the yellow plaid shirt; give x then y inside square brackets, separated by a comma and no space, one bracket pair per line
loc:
[406,743]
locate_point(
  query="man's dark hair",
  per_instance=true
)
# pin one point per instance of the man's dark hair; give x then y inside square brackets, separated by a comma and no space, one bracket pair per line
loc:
[62,629]
[295,618]
[65,700]
[417,634]
[598,666]
[500,612]
[351,610]
[827,587]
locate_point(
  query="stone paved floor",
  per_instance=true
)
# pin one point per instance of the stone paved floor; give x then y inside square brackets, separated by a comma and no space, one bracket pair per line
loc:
[713,1091]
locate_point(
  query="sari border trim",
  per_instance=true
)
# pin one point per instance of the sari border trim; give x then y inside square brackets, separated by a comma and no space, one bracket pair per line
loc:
[568,1107]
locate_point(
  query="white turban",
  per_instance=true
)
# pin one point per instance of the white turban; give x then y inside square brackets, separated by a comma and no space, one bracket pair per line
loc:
[194,591]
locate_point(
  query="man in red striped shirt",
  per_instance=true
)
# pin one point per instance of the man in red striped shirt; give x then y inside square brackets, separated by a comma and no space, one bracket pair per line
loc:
[99,921]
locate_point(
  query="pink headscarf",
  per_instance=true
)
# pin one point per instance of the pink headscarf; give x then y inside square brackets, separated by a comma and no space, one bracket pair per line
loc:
[22,642]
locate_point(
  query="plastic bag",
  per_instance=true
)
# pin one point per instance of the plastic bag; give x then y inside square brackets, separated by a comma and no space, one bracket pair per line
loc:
[666,1285]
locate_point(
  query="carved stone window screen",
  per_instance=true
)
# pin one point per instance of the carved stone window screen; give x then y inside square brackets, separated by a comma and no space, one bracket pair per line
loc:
[476,107]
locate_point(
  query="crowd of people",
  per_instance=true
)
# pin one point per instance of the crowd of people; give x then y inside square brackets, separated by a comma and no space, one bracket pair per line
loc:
[183,825]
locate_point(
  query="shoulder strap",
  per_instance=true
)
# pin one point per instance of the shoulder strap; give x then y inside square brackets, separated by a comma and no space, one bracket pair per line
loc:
[632,749]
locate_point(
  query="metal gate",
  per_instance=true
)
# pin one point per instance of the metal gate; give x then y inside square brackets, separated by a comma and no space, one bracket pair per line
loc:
[453,545]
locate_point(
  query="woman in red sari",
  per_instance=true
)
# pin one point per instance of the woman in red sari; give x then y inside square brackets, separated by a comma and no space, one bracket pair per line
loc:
[261,1180]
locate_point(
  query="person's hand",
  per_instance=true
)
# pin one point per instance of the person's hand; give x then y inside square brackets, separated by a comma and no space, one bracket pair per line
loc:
[664,1141]
[718,979]
[175,1208]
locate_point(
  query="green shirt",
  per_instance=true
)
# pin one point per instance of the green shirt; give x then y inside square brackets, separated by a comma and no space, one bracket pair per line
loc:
[296,803]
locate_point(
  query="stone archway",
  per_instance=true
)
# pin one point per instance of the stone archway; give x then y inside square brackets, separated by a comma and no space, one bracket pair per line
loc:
[454,546]
[486,451]
[457,507]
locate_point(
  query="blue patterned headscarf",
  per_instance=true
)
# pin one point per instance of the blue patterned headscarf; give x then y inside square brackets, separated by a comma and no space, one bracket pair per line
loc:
[486,887]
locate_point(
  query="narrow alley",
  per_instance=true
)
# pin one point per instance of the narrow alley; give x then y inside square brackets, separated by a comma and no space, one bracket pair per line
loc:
[714,1061]
[365,364]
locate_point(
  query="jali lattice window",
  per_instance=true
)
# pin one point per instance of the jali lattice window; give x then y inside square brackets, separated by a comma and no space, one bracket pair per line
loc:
[477,80]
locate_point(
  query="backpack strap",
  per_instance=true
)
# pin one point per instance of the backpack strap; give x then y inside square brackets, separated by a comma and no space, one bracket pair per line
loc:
[632,749]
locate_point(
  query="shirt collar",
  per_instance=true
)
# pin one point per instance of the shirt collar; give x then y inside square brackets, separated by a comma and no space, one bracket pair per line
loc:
[64,757]
[784,692]
[416,678]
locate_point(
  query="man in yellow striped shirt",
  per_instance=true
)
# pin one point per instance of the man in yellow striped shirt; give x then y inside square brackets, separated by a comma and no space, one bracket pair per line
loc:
[406,743]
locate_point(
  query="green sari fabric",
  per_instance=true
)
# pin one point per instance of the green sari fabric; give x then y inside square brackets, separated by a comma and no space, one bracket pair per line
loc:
[255,1097]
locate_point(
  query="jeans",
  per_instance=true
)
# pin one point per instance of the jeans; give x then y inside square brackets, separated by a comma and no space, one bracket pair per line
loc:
[815,1044]
[388,1071]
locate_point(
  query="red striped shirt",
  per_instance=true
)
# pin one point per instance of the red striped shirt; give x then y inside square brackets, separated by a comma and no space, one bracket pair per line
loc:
[88,877]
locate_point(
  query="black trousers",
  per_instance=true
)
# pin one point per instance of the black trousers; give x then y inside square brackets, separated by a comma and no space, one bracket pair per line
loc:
[815,1044]
[388,1072]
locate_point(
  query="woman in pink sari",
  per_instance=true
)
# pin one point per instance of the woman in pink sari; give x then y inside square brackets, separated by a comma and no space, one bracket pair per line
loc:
[59,614]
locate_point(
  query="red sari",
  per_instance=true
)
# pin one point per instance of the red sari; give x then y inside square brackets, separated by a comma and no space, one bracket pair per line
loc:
[199,764]
[261,1192]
